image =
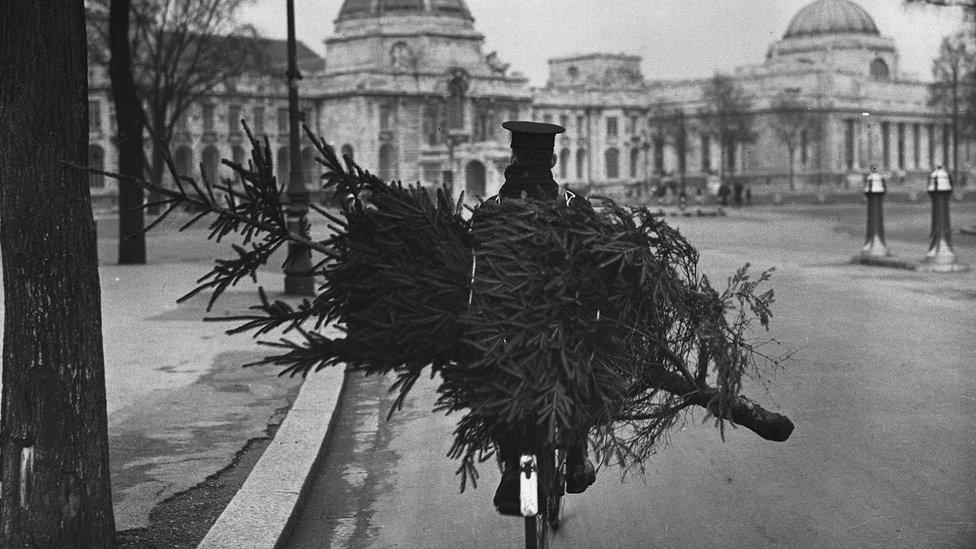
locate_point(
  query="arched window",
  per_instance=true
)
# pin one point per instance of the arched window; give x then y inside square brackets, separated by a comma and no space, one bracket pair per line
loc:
[474,179]
[284,166]
[96,160]
[238,155]
[564,163]
[401,58]
[634,159]
[431,123]
[580,163]
[879,69]
[658,155]
[611,163]
[347,151]
[310,168]
[457,87]
[184,161]
[387,162]
[211,163]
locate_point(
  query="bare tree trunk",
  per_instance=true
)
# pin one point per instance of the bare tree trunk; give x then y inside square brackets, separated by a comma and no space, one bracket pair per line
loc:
[130,121]
[158,163]
[792,151]
[56,489]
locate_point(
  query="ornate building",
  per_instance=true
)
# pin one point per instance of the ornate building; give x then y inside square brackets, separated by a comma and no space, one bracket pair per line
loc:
[406,89]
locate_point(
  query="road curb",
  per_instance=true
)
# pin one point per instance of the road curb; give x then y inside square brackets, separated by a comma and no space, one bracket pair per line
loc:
[261,512]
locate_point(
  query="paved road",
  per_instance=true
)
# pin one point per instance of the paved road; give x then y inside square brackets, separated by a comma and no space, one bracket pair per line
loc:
[882,390]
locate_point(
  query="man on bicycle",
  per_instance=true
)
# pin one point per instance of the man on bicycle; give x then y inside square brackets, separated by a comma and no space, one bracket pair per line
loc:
[529,175]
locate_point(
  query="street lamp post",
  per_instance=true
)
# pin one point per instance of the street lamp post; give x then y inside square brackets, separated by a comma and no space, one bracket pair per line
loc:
[298,277]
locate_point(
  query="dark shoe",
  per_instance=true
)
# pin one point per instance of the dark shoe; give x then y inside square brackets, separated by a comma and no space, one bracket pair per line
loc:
[579,476]
[507,495]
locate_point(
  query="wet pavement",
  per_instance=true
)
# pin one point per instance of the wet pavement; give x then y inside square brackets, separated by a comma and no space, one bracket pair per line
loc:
[881,387]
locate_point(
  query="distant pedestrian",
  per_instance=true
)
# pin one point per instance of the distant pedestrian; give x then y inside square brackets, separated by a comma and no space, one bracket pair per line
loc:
[749,196]
[723,193]
[737,193]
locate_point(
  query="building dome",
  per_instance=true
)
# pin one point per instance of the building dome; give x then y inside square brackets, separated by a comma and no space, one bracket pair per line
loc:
[358,9]
[831,17]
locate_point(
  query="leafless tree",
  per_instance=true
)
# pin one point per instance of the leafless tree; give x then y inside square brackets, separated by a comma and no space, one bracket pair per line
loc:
[668,126]
[952,88]
[727,114]
[791,117]
[183,50]
[56,490]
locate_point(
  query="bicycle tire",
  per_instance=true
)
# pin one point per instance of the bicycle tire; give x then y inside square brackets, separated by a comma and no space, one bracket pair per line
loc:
[551,489]
[554,501]
[536,532]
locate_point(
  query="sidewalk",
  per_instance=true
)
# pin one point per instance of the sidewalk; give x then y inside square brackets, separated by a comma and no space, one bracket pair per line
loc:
[180,406]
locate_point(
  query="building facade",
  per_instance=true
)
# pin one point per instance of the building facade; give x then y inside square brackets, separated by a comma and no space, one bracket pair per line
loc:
[407,91]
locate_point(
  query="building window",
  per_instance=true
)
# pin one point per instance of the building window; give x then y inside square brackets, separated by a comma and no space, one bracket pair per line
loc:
[457,88]
[387,162]
[659,155]
[258,121]
[401,58]
[208,118]
[572,72]
[580,125]
[901,145]
[564,163]
[632,126]
[612,163]
[183,160]
[95,117]
[234,118]
[804,152]
[386,115]
[706,153]
[564,120]
[886,145]
[547,118]
[917,144]
[484,125]
[284,166]
[612,126]
[634,160]
[96,161]
[283,121]
[237,154]
[183,122]
[879,69]
[946,142]
[211,164]
[849,143]
[580,163]
[431,124]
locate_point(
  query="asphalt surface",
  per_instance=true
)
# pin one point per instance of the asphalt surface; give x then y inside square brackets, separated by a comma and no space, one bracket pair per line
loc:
[881,387]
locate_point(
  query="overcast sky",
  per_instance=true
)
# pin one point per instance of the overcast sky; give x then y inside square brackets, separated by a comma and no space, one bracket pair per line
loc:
[676,38]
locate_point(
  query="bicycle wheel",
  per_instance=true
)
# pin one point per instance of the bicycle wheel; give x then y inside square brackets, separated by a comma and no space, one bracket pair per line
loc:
[536,532]
[554,501]
[550,470]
